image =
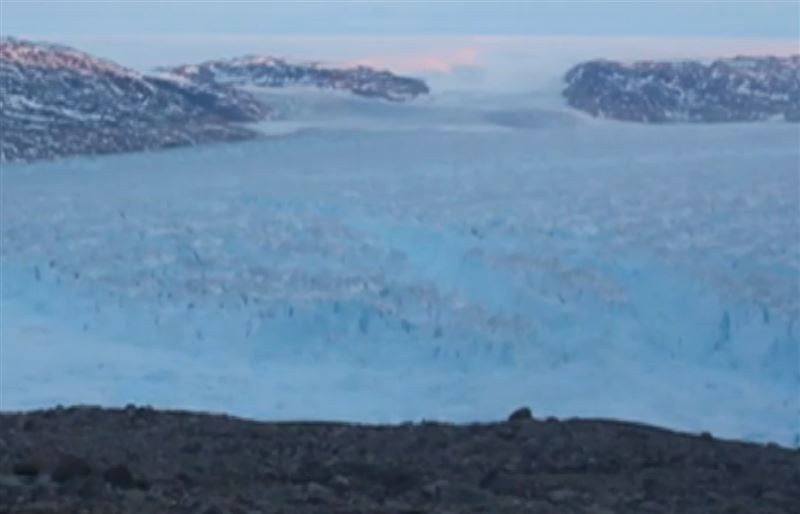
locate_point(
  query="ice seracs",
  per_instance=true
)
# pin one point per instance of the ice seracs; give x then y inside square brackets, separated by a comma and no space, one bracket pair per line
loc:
[379,276]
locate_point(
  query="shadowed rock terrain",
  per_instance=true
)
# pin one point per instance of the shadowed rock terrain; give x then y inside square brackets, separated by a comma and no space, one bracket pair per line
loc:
[141,460]
[57,101]
[271,72]
[738,89]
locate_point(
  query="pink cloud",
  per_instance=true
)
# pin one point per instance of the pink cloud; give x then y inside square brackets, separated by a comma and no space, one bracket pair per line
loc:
[433,60]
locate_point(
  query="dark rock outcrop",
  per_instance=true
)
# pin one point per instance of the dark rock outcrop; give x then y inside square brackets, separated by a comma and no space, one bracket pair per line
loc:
[726,90]
[57,101]
[521,414]
[264,71]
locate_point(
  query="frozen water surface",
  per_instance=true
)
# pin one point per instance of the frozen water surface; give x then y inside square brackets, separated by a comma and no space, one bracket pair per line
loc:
[586,269]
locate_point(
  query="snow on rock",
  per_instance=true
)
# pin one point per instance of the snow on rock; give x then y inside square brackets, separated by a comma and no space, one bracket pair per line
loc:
[57,101]
[734,89]
[267,71]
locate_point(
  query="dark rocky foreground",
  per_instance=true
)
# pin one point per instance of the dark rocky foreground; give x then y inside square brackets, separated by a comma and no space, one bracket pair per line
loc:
[142,460]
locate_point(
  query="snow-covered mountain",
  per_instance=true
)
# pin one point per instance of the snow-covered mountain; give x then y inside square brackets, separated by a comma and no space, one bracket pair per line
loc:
[57,101]
[268,71]
[735,89]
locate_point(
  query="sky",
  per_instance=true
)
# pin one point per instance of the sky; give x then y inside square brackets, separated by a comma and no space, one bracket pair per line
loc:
[726,18]
[435,40]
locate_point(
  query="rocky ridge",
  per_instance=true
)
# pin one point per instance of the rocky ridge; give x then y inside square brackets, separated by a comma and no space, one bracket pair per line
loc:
[57,101]
[140,460]
[266,71]
[739,89]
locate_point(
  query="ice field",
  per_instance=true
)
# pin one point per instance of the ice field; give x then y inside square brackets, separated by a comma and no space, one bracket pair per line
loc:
[451,268]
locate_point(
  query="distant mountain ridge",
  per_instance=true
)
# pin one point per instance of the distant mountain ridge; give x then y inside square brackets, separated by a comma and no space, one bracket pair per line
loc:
[266,71]
[727,90]
[57,101]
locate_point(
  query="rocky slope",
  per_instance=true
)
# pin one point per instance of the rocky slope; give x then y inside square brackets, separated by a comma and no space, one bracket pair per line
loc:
[735,89]
[57,101]
[140,460]
[267,71]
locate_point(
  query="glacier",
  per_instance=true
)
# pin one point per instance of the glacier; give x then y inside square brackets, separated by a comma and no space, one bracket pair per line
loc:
[452,268]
